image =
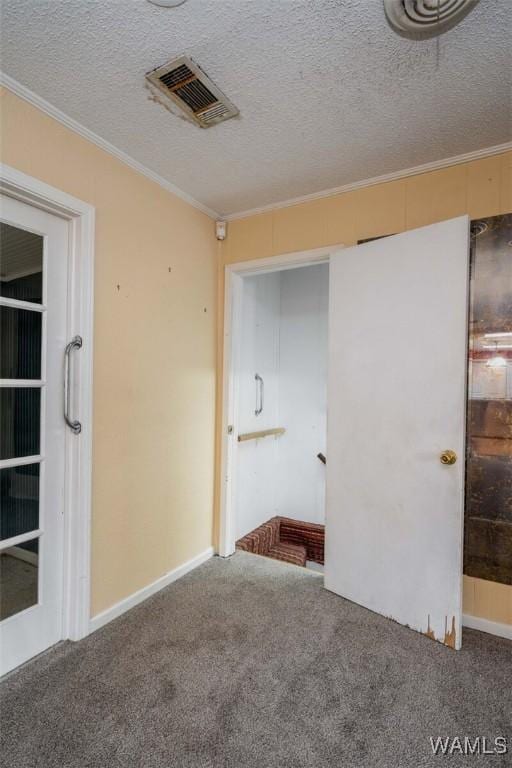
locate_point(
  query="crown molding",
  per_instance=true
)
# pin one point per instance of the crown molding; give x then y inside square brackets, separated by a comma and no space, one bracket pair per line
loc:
[37,101]
[403,174]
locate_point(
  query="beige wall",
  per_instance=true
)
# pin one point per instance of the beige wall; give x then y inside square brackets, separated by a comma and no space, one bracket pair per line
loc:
[154,355]
[478,188]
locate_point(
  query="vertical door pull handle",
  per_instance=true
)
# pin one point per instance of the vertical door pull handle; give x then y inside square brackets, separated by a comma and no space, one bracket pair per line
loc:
[73,424]
[259,394]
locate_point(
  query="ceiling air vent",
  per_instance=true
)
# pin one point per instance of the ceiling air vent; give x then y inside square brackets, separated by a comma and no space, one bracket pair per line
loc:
[182,81]
[426,18]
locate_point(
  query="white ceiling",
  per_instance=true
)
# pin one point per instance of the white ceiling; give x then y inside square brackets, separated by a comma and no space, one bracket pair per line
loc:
[328,94]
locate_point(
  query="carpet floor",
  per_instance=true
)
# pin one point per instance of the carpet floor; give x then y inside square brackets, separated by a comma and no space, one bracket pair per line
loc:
[250,663]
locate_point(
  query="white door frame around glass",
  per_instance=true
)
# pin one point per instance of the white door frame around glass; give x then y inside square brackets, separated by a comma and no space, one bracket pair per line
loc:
[233,286]
[78,448]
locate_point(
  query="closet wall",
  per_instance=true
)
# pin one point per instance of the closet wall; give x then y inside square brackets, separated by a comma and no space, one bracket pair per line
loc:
[284,340]
[302,392]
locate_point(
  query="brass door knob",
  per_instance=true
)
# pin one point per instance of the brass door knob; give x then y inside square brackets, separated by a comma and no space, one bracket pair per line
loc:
[448,457]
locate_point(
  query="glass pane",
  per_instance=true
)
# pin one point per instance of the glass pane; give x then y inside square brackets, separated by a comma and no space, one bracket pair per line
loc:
[19,500]
[19,572]
[20,343]
[21,264]
[20,422]
[488,523]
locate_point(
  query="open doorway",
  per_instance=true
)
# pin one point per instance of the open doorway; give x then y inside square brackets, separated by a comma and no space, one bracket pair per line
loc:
[279,491]
[255,290]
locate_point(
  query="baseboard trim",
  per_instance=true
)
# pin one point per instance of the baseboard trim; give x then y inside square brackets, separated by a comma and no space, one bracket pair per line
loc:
[124,605]
[484,625]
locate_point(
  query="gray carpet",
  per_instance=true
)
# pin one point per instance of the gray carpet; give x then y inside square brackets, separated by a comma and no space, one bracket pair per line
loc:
[249,662]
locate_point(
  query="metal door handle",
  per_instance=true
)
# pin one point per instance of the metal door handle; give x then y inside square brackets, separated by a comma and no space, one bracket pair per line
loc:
[73,424]
[259,391]
[448,457]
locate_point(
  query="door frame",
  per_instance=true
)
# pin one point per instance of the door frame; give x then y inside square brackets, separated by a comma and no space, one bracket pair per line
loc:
[233,291]
[78,449]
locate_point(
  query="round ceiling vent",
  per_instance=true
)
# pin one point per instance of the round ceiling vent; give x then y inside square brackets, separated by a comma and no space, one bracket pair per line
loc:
[426,18]
[167,3]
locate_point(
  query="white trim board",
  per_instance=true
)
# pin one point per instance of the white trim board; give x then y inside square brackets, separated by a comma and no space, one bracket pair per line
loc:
[484,625]
[109,614]
[283,261]
[416,170]
[32,98]
[78,448]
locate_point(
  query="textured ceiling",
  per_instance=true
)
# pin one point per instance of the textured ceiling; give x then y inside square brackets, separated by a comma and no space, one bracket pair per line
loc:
[328,94]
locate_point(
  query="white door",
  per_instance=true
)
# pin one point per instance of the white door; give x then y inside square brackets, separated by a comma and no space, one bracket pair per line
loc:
[396,404]
[33,307]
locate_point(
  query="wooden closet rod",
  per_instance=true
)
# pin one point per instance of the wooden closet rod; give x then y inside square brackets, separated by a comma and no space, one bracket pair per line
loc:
[262,433]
